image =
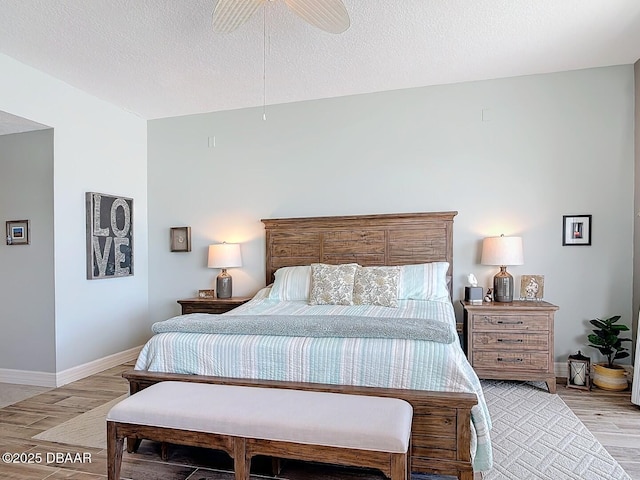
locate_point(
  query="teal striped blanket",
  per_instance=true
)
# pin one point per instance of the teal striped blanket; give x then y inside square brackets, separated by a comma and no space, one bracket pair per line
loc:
[317,326]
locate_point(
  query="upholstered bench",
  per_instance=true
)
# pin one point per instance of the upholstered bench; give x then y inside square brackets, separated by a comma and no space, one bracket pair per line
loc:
[336,428]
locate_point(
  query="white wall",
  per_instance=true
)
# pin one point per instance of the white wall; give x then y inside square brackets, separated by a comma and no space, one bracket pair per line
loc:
[511,155]
[101,148]
[27,341]
[636,236]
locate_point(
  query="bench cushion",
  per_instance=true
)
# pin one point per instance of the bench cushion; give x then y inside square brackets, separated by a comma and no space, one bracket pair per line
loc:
[316,418]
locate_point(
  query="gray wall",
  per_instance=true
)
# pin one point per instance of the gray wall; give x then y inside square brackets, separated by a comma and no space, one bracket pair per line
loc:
[26,283]
[511,155]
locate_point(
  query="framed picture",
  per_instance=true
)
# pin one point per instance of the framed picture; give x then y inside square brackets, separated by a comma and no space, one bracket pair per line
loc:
[180,239]
[576,230]
[531,287]
[18,232]
[206,294]
[109,236]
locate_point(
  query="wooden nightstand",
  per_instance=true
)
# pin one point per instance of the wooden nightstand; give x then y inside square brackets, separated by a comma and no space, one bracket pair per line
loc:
[211,305]
[511,341]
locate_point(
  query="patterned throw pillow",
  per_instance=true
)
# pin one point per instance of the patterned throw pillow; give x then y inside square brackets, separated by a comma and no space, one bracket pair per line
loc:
[376,286]
[332,284]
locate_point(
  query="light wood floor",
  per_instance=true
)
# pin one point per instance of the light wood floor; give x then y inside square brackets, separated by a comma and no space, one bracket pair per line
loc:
[610,417]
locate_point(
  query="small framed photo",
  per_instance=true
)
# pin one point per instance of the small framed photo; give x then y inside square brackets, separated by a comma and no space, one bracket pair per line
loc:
[18,232]
[206,294]
[576,230]
[180,239]
[531,287]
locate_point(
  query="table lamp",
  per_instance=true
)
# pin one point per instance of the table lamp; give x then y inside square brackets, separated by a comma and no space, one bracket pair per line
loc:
[502,251]
[224,255]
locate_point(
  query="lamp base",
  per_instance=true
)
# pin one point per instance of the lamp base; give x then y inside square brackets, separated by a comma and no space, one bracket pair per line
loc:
[503,286]
[223,284]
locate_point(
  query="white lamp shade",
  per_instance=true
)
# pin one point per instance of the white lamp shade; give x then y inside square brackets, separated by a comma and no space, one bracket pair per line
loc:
[224,255]
[502,251]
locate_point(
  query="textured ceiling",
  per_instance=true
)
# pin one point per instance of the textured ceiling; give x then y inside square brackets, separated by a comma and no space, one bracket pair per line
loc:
[161,58]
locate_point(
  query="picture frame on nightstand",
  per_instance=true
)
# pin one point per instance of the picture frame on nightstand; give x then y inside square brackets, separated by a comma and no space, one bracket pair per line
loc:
[532,287]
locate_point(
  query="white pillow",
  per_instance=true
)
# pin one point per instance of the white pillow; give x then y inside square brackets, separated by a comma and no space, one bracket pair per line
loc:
[291,283]
[332,284]
[376,286]
[424,281]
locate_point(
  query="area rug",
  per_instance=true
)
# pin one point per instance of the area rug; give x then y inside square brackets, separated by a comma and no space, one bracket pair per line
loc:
[86,430]
[535,436]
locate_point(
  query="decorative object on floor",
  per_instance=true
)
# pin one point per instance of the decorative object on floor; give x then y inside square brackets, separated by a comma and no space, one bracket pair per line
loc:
[576,230]
[109,236]
[180,239]
[502,251]
[328,15]
[224,255]
[536,436]
[579,371]
[206,293]
[18,232]
[605,338]
[531,287]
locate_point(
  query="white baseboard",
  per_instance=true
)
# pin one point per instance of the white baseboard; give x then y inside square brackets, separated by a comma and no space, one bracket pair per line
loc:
[560,369]
[96,366]
[28,377]
[45,379]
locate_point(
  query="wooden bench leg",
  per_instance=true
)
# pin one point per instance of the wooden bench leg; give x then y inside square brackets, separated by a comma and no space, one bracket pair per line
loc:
[115,445]
[133,444]
[399,464]
[164,451]
[241,461]
[276,466]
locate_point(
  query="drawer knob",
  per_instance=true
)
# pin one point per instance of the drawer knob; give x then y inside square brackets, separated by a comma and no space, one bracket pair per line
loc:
[502,322]
[510,340]
[510,360]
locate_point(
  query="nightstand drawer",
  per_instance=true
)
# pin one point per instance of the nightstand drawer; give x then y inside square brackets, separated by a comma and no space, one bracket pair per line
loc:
[211,305]
[511,360]
[510,341]
[510,322]
[216,309]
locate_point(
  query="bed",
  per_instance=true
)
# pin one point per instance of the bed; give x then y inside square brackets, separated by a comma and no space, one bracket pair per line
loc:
[450,432]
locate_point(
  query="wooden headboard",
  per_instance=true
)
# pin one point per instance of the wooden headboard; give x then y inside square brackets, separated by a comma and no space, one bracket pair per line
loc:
[389,239]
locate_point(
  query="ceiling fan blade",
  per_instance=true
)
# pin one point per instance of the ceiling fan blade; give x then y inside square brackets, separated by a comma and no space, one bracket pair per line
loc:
[328,15]
[230,14]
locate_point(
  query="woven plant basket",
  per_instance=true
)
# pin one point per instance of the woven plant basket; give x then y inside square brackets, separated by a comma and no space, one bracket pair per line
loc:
[609,378]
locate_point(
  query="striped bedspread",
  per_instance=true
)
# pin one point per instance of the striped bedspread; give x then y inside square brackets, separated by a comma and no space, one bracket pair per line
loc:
[374,362]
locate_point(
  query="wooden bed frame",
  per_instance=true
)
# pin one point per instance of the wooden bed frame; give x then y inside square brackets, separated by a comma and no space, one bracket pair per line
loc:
[441,430]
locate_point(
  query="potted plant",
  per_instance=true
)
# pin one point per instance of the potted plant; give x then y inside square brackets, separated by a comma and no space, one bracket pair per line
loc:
[605,338]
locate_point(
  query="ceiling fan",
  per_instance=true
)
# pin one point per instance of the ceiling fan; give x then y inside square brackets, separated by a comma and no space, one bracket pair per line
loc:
[328,15]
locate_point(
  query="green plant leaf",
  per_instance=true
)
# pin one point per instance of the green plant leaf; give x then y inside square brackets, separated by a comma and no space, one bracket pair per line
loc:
[598,323]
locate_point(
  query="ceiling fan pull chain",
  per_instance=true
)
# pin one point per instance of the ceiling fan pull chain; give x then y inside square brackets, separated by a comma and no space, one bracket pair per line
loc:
[264,64]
